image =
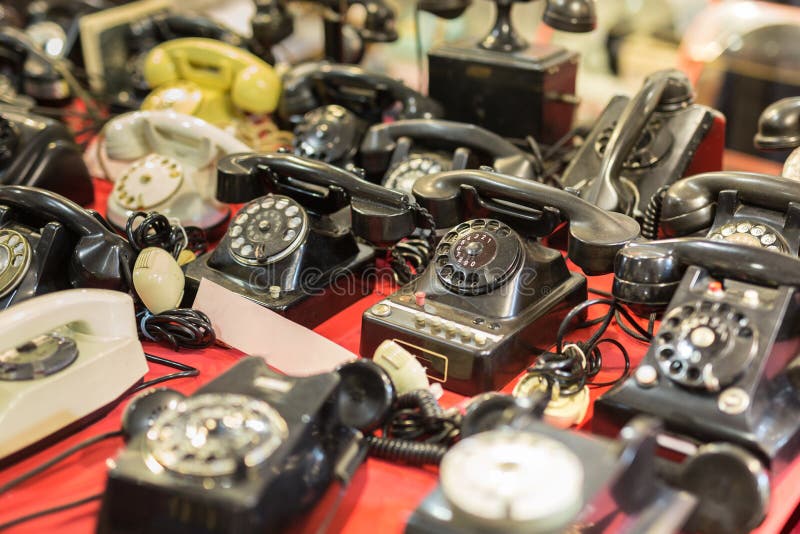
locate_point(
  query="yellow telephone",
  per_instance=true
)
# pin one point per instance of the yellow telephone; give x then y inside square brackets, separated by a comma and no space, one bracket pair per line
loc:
[209,79]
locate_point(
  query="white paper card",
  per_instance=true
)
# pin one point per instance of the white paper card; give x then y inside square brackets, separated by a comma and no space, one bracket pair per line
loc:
[257,331]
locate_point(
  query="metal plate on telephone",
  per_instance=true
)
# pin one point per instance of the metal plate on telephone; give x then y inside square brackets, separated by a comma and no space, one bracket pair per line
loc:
[267,229]
[752,233]
[216,434]
[477,256]
[403,175]
[15,258]
[41,356]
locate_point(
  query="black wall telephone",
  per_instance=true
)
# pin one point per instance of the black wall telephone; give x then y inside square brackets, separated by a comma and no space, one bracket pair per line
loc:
[274,445]
[398,153]
[492,296]
[297,234]
[369,95]
[755,209]
[641,144]
[48,243]
[40,152]
[722,364]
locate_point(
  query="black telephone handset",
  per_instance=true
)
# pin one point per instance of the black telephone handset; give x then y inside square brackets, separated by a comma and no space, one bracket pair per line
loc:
[40,152]
[400,152]
[369,95]
[49,243]
[640,145]
[721,365]
[595,235]
[756,209]
[297,234]
[18,53]
[493,295]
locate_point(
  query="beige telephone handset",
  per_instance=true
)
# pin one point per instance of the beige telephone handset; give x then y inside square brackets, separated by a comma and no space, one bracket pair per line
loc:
[165,161]
[64,356]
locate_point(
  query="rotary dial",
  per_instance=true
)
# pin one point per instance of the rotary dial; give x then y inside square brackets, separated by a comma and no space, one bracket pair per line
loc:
[148,182]
[267,229]
[403,175]
[216,434]
[15,259]
[705,344]
[41,356]
[750,233]
[477,256]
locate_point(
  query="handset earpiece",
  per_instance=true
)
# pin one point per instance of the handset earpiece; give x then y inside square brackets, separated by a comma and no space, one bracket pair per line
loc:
[124,137]
[256,88]
[648,273]
[689,205]
[144,409]
[595,234]
[779,126]
[365,395]
[160,68]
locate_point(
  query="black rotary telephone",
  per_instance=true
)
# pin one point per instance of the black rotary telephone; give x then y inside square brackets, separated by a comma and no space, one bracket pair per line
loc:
[722,365]
[52,30]
[297,234]
[371,96]
[273,446]
[641,144]
[49,243]
[755,209]
[493,296]
[40,152]
[398,153]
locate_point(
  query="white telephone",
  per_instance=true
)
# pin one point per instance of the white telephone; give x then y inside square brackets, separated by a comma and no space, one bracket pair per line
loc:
[63,356]
[167,162]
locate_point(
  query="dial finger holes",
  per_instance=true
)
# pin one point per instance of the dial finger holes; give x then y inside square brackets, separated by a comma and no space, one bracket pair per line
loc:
[676,367]
[493,225]
[441,261]
[479,224]
[745,332]
[459,277]
[447,271]
[503,231]
[693,373]
[472,279]
[666,353]
[665,337]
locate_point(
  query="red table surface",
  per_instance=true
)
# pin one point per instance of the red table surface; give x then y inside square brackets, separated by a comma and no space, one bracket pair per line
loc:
[380,498]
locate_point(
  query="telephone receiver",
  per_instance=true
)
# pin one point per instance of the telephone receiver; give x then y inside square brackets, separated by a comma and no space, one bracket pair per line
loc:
[379,21]
[779,129]
[51,243]
[368,94]
[40,152]
[52,347]
[735,206]
[165,161]
[661,91]
[647,274]
[595,235]
[385,146]
[219,80]
[445,9]
[32,72]
[379,215]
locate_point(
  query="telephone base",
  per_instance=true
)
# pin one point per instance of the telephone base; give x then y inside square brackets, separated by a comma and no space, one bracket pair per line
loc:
[491,88]
[744,338]
[342,286]
[468,353]
[33,410]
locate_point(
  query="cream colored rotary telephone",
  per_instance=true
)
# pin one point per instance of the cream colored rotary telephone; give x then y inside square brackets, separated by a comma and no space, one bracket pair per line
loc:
[64,356]
[167,162]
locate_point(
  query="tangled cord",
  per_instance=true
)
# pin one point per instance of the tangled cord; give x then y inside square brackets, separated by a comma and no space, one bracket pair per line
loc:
[409,257]
[417,432]
[156,230]
[575,365]
[178,328]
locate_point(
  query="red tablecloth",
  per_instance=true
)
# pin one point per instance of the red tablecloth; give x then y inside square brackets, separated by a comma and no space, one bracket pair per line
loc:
[380,498]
